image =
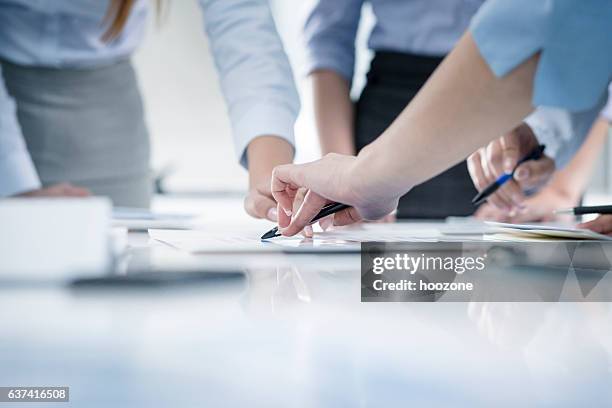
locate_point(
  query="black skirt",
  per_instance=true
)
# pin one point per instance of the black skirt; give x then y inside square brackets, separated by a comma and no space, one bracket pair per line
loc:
[394,79]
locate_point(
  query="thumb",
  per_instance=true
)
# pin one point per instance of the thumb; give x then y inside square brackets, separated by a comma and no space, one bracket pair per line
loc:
[259,206]
[534,173]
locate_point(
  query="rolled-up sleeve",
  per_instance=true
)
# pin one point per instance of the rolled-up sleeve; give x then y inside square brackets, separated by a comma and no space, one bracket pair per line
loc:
[574,39]
[329,35]
[17,172]
[256,78]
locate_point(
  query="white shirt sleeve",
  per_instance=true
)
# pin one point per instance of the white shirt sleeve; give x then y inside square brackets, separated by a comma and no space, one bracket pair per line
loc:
[256,78]
[562,131]
[17,172]
[607,111]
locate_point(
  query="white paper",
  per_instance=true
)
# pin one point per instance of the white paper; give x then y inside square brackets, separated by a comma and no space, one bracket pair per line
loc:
[339,240]
[544,232]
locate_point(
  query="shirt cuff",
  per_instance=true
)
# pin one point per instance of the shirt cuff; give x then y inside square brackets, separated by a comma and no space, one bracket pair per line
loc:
[545,134]
[263,120]
[606,113]
[17,174]
[329,60]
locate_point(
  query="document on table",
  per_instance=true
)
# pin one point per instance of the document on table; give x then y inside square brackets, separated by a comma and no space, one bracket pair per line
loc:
[541,232]
[340,240]
[143,219]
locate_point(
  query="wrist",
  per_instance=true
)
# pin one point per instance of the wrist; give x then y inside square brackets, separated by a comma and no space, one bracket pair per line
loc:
[376,175]
[264,154]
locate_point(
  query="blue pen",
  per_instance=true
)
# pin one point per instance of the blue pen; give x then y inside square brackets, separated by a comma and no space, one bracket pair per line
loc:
[536,154]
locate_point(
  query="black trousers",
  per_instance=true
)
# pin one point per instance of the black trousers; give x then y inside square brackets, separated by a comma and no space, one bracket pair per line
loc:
[393,80]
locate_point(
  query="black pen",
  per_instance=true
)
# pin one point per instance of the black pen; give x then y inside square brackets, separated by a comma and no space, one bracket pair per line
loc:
[597,209]
[536,154]
[329,209]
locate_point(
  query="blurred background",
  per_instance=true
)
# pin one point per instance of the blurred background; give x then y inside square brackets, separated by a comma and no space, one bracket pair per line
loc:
[186,112]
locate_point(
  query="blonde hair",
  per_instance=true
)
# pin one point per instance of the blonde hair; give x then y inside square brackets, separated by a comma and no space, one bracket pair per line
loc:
[117,15]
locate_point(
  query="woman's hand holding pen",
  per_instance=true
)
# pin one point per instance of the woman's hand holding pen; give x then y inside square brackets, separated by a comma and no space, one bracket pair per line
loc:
[334,178]
[501,156]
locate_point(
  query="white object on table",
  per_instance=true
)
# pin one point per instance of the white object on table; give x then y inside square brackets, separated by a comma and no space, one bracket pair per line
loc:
[50,239]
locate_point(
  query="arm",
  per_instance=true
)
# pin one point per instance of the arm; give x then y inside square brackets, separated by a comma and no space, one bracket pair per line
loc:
[477,93]
[603,223]
[333,110]
[565,188]
[461,93]
[571,182]
[17,172]
[562,131]
[329,33]
[257,82]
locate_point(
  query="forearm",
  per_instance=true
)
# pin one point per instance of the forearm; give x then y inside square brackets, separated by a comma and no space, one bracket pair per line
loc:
[463,106]
[571,182]
[254,71]
[264,153]
[333,111]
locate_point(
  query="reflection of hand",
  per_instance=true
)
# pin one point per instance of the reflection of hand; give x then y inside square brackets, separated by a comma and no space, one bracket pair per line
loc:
[58,190]
[501,156]
[539,207]
[601,224]
[334,178]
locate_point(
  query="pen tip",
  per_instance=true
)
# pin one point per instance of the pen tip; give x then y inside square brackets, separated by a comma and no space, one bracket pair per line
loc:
[271,234]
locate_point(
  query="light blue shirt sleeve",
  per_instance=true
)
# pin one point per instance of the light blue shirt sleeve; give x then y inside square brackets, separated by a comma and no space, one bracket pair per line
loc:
[574,39]
[256,78]
[17,172]
[329,35]
[89,9]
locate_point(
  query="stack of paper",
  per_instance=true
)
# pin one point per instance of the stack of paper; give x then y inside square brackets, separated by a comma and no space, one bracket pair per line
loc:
[541,232]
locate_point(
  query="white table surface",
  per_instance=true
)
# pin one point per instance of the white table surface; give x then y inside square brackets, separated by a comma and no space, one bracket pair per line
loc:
[295,334]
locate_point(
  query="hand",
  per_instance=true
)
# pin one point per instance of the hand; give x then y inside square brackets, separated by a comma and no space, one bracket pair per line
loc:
[334,178]
[259,202]
[264,153]
[539,207]
[501,156]
[601,224]
[57,190]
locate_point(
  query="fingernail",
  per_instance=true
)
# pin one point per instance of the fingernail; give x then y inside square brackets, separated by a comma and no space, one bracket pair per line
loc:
[508,165]
[522,174]
[273,214]
[308,231]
